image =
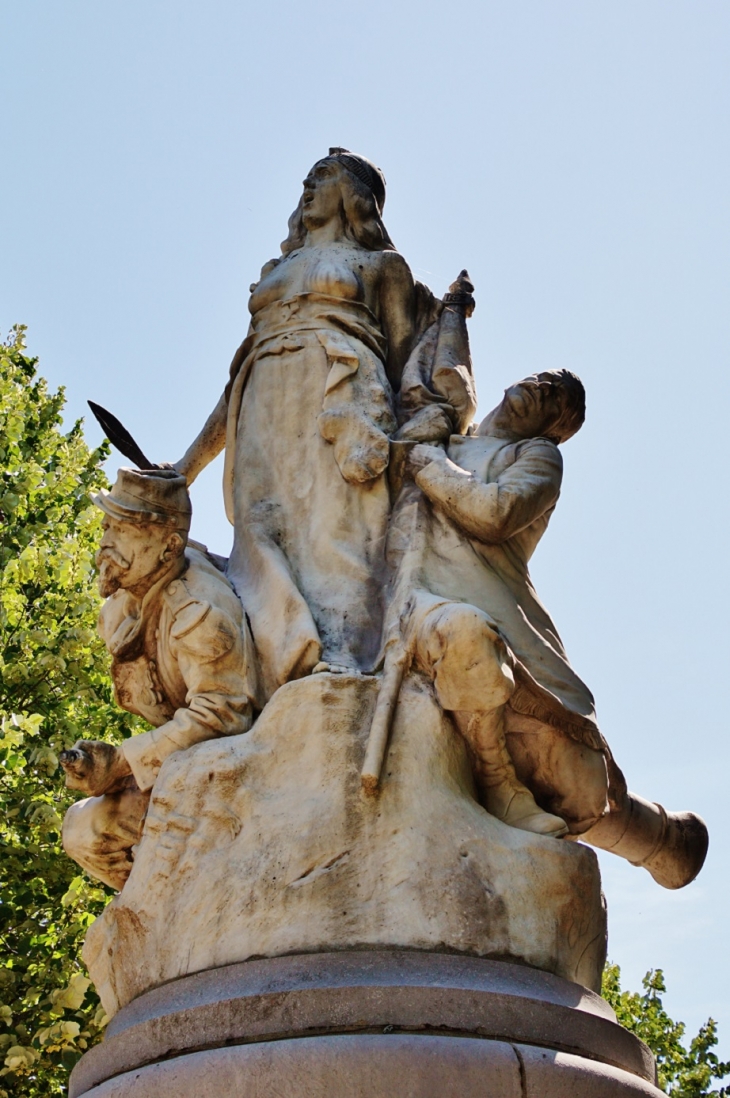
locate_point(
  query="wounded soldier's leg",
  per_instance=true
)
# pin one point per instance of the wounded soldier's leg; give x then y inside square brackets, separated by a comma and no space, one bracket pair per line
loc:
[671,845]
[471,669]
[501,793]
[567,778]
[99,833]
[457,646]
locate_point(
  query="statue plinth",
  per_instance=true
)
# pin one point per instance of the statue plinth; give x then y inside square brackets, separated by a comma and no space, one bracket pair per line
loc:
[368,1023]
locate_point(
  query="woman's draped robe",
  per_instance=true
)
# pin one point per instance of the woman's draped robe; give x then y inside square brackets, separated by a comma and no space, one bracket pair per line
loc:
[310,412]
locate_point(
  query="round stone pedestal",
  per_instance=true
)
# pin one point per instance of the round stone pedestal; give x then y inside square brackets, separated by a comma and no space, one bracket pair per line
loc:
[365,1025]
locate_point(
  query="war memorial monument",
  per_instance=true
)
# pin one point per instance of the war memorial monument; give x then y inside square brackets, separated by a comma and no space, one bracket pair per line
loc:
[353,852]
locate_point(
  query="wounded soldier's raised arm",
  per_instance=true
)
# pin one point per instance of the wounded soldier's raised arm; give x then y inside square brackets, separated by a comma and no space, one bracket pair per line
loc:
[497,511]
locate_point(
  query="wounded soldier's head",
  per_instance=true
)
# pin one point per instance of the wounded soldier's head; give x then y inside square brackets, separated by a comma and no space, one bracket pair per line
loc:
[146,522]
[551,404]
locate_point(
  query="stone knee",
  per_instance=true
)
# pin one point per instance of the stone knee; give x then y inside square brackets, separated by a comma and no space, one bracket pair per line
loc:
[471,668]
[77,833]
[99,832]
[581,793]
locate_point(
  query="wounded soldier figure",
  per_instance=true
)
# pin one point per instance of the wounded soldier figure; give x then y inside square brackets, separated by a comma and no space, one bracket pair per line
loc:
[472,619]
[182,658]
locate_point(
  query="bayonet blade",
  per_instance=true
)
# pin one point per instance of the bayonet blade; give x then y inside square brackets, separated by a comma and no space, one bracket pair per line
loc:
[120,437]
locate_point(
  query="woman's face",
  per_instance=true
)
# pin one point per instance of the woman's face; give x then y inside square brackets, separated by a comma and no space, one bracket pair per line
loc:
[322,198]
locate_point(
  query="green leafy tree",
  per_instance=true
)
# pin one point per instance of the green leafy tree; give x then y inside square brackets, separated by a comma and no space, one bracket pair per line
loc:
[683,1071]
[54,689]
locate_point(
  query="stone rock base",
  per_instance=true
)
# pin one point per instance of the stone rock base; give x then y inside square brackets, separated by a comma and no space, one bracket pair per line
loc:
[264,845]
[367,1024]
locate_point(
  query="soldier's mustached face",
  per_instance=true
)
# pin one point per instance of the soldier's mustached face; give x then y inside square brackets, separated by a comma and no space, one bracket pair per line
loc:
[112,566]
[130,554]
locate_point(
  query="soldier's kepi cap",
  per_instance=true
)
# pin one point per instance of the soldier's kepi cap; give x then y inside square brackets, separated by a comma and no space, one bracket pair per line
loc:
[154,495]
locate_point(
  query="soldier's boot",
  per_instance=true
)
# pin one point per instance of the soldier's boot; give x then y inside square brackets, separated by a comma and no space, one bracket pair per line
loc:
[672,846]
[502,794]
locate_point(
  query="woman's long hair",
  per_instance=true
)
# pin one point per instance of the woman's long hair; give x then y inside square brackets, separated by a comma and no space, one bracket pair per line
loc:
[363,223]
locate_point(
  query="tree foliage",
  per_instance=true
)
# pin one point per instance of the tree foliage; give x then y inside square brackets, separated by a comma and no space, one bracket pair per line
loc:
[684,1071]
[54,689]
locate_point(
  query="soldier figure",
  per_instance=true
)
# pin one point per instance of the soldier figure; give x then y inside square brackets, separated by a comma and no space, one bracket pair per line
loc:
[478,630]
[182,658]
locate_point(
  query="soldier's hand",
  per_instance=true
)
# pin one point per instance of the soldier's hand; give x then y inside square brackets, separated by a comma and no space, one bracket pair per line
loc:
[429,424]
[422,455]
[94,767]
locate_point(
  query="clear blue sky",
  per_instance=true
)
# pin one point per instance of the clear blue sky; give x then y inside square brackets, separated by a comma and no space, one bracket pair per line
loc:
[573,154]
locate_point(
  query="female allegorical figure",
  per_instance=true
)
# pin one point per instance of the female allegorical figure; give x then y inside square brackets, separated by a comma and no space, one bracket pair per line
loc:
[306,419]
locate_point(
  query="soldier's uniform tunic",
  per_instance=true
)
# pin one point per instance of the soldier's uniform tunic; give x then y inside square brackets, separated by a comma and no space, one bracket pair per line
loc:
[183,660]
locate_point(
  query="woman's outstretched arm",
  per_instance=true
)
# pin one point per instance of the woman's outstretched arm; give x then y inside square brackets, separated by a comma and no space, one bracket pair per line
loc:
[207,445]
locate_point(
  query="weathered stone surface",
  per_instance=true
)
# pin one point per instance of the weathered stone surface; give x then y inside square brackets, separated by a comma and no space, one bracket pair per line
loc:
[275,821]
[550,1074]
[361,991]
[378,1066]
[364,1066]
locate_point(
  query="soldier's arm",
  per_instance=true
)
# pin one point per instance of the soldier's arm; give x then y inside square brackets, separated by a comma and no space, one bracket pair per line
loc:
[211,652]
[497,511]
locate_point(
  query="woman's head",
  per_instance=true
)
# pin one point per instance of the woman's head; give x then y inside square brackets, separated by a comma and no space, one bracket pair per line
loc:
[347,186]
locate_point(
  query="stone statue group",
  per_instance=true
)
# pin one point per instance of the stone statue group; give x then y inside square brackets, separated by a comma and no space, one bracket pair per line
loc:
[378,532]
